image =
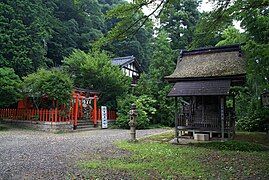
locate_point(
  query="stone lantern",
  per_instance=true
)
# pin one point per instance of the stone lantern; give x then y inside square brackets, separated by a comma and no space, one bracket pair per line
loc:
[133,123]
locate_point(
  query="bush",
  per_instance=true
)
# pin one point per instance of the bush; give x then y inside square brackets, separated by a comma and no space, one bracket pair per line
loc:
[53,84]
[251,115]
[9,87]
[94,70]
[145,110]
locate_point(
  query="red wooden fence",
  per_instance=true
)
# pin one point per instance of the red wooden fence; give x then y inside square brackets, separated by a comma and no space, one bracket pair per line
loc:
[111,115]
[49,115]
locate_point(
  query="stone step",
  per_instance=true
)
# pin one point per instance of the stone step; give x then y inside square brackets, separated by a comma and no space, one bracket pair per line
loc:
[85,129]
[84,122]
[84,126]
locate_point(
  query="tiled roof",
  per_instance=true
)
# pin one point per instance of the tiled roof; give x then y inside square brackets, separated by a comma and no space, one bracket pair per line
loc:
[121,61]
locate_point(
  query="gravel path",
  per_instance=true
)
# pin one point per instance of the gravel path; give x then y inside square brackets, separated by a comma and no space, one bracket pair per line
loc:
[26,154]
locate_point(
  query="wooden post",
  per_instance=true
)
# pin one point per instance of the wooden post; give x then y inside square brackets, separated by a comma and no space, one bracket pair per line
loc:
[176,118]
[95,110]
[56,115]
[76,113]
[222,116]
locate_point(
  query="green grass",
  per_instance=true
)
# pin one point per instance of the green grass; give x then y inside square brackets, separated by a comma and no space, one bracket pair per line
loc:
[154,158]
[233,145]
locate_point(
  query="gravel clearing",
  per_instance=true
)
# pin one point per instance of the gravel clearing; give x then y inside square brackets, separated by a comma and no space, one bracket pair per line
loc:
[26,154]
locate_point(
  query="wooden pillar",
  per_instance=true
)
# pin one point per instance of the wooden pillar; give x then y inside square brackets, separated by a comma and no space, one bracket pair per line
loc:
[95,110]
[176,118]
[222,118]
[203,110]
[76,113]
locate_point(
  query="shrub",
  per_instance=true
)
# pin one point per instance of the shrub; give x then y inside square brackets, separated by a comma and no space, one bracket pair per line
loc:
[53,84]
[251,115]
[94,70]
[145,110]
[9,87]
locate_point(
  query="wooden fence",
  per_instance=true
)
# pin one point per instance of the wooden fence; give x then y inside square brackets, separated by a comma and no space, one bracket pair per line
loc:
[111,115]
[49,115]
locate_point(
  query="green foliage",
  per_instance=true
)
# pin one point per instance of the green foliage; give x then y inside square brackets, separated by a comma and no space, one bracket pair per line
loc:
[37,34]
[52,84]
[24,26]
[153,84]
[208,32]
[145,109]
[125,37]
[9,87]
[75,25]
[231,35]
[251,115]
[94,70]
[179,20]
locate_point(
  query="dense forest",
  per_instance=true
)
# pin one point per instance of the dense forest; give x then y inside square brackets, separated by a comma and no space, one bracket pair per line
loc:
[50,46]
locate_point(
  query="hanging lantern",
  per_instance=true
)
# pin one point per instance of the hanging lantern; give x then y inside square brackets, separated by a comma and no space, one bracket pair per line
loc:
[265,98]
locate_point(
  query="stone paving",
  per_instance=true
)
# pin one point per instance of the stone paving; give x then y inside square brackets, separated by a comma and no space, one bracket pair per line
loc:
[27,154]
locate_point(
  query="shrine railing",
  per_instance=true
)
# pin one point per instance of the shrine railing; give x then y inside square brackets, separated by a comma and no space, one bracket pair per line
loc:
[111,115]
[47,115]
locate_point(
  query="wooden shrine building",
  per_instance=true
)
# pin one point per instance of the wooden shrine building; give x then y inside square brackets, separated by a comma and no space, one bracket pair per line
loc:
[203,79]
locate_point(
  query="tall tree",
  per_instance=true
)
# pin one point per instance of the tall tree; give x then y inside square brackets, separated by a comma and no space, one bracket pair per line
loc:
[121,43]
[153,84]
[179,20]
[24,27]
[76,25]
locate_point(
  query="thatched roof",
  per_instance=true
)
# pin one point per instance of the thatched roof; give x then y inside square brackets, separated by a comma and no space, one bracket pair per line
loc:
[210,62]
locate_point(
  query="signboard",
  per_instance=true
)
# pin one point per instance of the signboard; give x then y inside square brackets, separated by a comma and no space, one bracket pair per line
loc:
[104,116]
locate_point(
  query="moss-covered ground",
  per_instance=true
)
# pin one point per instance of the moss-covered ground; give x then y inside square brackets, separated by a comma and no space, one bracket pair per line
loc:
[154,158]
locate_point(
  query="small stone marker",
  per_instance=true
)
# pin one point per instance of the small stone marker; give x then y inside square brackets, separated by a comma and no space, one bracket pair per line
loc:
[132,123]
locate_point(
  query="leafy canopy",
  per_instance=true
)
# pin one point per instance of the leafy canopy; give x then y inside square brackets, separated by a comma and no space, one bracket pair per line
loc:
[9,87]
[52,84]
[94,70]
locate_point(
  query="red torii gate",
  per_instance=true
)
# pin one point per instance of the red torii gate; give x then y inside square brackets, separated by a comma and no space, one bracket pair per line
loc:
[79,95]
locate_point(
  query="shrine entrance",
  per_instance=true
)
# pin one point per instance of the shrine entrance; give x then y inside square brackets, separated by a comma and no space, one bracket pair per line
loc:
[84,108]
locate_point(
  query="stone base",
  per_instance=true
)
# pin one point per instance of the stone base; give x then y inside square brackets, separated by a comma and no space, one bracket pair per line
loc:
[201,137]
[43,126]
